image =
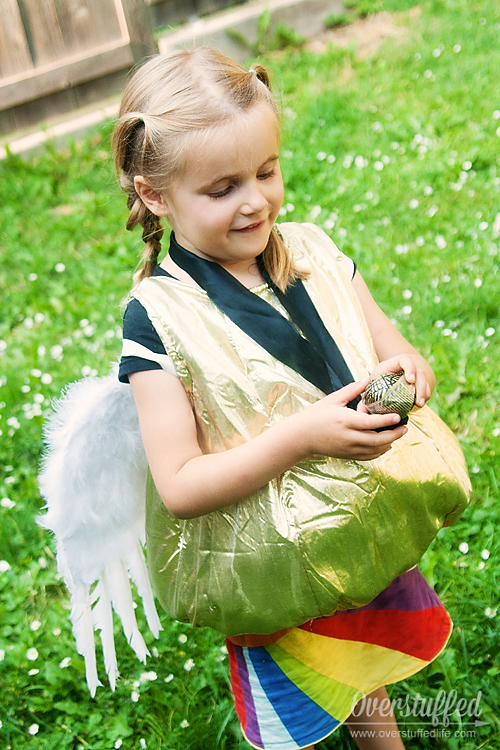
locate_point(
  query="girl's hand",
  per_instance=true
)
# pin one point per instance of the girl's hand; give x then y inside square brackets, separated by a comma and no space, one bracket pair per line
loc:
[331,429]
[413,374]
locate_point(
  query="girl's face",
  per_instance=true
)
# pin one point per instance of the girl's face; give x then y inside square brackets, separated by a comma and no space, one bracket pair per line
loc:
[225,203]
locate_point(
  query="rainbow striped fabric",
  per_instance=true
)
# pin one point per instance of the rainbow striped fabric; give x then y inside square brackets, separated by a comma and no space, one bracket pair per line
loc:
[298,690]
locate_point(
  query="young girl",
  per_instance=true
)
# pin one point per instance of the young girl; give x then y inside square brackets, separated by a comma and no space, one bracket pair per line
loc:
[229,370]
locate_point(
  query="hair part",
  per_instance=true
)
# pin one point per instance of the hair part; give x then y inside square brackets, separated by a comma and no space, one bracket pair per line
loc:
[169,100]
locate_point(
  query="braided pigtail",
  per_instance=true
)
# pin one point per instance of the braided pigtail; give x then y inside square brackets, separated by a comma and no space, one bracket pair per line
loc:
[131,157]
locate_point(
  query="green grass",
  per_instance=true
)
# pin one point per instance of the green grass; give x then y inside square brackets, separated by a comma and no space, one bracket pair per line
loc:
[412,194]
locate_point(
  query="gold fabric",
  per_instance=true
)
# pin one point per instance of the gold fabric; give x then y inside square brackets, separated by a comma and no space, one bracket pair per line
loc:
[327,534]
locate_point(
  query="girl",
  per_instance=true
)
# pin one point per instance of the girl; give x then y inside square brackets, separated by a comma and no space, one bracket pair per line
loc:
[230,396]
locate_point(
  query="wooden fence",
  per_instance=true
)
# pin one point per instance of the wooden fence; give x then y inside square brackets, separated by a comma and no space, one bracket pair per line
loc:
[51,47]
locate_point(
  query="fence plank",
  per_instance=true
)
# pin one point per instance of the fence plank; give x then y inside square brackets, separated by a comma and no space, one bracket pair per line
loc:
[14,50]
[85,24]
[59,77]
[42,29]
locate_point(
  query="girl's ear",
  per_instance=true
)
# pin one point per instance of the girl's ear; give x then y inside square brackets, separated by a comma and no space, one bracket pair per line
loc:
[151,198]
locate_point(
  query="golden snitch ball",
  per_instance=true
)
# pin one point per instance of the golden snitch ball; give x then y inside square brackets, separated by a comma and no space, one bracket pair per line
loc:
[390,393]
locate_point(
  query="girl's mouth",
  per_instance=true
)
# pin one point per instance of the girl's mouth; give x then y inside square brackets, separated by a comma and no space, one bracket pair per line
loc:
[251,227]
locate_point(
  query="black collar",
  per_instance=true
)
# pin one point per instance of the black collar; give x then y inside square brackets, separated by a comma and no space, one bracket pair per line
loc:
[315,355]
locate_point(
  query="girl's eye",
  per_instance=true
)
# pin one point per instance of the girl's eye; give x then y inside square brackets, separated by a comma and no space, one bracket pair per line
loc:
[221,193]
[267,175]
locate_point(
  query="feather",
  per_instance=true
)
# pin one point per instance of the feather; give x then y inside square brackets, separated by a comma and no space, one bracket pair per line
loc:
[83,630]
[93,480]
[139,575]
[102,616]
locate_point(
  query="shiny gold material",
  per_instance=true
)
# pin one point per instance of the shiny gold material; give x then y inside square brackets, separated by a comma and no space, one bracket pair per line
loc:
[328,533]
[390,392]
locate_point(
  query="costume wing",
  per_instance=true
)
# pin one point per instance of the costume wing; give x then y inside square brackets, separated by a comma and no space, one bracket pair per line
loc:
[93,480]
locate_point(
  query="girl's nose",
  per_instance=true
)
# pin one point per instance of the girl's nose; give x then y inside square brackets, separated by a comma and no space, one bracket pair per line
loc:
[253,201]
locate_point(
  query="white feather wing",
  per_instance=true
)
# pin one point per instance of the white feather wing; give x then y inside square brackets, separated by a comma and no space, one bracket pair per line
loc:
[93,480]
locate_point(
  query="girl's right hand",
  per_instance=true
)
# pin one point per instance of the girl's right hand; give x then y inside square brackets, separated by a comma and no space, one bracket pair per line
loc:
[332,429]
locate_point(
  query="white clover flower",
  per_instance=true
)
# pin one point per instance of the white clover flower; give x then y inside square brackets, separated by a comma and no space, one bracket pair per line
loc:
[489,332]
[420,241]
[169,678]
[25,389]
[407,294]
[41,351]
[436,52]
[480,565]
[447,331]
[457,48]
[28,323]
[3,346]
[39,317]
[6,502]
[65,662]
[330,158]
[60,267]
[223,649]
[33,729]
[32,277]
[437,299]
[33,672]
[118,744]
[490,612]
[56,632]
[360,162]
[428,73]
[42,562]
[189,665]
[445,278]
[342,232]
[56,351]
[86,370]
[406,310]
[401,249]
[414,203]
[378,166]
[315,212]
[134,697]
[148,676]
[428,190]
[36,373]
[440,241]
[46,378]
[496,114]
[478,283]
[321,155]
[377,127]
[290,207]
[182,638]
[432,211]
[184,724]
[32,654]
[347,161]
[35,625]
[2,654]
[463,547]
[485,554]
[142,743]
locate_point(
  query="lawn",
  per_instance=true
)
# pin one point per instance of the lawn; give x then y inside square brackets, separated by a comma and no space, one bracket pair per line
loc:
[397,157]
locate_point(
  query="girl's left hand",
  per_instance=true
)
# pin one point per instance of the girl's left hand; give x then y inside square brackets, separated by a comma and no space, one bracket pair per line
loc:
[413,374]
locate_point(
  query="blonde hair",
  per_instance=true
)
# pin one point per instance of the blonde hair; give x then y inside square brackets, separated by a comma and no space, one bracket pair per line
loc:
[168,100]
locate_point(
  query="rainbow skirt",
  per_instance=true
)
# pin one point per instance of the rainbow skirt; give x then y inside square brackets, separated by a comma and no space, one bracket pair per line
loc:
[298,690]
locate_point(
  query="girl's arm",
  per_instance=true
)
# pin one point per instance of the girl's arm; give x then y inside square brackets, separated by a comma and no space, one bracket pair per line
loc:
[395,353]
[192,484]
